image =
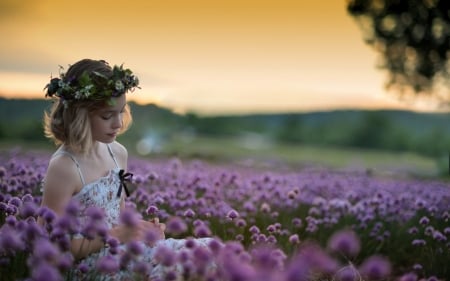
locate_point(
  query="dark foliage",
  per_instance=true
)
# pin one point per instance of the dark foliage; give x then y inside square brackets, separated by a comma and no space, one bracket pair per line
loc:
[413,38]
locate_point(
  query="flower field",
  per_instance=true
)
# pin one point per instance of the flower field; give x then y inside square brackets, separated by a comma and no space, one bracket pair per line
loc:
[267,224]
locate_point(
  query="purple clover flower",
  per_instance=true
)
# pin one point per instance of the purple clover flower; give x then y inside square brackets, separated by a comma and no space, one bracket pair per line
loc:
[44,250]
[176,225]
[189,213]
[254,229]
[107,264]
[202,231]
[135,248]
[294,239]
[424,220]
[345,242]
[375,268]
[129,217]
[28,209]
[347,273]
[10,240]
[45,272]
[152,210]
[241,223]
[408,277]
[151,236]
[297,222]
[165,256]
[232,214]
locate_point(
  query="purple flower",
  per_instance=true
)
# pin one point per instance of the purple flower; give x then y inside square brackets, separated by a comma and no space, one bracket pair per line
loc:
[45,272]
[15,201]
[28,209]
[241,223]
[297,222]
[189,213]
[112,242]
[95,213]
[201,256]
[271,228]
[202,231]
[107,264]
[45,250]
[345,242]
[32,231]
[437,235]
[265,208]
[418,242]
[165,256]
[47,214]
[141,268]
[135,248]
[413,230]
[129,217]
[152,210]
[348,273]
[151,236]
[294,239]
[417,267]
[72,208]
[424,221]
[11,220]
[10,240]
[65,261]
[408,277]
[2,172]
[89,230]
[375,268]
[254,229]
[215,246]
[232,214]
[83,267]
[428,230]
[190,243]
[170,276]
[237,270]
[176,226]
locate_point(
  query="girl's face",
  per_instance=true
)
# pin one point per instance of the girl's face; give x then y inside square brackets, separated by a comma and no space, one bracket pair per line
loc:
[107,121]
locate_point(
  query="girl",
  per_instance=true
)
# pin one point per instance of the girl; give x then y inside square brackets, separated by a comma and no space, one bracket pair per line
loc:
[89,166]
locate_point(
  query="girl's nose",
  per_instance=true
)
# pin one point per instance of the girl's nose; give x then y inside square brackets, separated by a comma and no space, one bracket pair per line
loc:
[117,122]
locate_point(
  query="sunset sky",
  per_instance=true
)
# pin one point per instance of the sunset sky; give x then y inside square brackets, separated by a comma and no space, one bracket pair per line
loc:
[206,56]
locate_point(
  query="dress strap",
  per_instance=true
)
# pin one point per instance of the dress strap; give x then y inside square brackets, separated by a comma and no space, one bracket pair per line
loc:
[112,155]
[61,151]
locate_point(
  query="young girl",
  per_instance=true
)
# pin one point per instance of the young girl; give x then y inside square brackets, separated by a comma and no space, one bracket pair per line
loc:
[89,166]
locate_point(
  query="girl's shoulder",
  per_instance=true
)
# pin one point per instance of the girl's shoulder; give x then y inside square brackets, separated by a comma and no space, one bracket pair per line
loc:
[62,168]
[63,164]
[119,149]
[120,152]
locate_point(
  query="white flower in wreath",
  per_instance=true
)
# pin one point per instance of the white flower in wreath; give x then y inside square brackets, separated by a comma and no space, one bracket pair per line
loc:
[119,86]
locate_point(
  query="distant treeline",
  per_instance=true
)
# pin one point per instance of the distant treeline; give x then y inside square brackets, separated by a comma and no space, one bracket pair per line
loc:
[423,133]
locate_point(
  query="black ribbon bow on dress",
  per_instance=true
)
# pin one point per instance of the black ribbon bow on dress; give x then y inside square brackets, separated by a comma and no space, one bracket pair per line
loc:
[124,177]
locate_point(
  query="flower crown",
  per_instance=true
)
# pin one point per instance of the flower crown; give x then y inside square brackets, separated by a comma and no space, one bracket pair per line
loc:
[93,86]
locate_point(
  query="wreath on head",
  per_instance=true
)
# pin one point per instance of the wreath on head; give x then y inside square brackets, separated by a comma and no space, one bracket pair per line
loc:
[92,86]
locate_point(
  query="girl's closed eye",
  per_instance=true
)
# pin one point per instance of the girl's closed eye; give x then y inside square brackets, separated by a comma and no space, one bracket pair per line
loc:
[106,117]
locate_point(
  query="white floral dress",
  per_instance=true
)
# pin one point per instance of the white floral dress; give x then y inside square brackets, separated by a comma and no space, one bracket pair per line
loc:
[102,193]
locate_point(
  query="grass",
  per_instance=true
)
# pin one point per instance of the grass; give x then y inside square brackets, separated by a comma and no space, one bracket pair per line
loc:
[271,154]
[257,153]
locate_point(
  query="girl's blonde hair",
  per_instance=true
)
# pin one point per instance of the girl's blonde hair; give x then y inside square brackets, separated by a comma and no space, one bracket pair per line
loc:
[70,125]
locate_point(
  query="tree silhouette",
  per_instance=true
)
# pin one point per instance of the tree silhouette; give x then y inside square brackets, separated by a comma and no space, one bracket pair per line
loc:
[413,38]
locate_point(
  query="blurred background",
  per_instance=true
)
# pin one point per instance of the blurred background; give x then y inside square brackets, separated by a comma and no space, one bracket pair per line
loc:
[342,84]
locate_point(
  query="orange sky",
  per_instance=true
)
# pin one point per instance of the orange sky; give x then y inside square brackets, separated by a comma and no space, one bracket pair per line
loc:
[209,56]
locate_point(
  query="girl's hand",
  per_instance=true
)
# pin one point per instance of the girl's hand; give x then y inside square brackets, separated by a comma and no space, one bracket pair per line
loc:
[126,234]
